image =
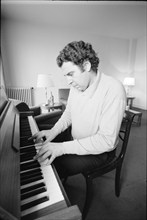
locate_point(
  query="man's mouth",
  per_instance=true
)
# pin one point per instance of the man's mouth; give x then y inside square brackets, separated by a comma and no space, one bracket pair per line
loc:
[76,86]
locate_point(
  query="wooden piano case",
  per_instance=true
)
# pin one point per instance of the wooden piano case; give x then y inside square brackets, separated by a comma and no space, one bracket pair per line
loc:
[10,175]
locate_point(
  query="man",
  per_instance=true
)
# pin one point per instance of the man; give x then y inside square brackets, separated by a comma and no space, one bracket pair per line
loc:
[95,109]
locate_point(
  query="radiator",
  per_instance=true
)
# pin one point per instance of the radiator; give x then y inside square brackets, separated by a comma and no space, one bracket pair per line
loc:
[22,94]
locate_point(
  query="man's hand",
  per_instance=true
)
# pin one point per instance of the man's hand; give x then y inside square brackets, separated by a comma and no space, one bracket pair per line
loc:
[38,137]
[49,150]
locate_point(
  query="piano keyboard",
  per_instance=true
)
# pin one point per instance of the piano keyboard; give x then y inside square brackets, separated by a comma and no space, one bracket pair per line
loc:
[39,186]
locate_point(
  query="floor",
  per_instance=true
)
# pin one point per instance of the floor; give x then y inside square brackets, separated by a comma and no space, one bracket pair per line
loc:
[131,205]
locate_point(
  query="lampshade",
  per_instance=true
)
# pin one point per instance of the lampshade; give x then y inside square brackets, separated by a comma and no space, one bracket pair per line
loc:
[44,80]
[129,81]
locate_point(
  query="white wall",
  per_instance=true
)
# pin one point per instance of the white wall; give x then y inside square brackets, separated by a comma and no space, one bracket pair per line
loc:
[30,48]
[140,74]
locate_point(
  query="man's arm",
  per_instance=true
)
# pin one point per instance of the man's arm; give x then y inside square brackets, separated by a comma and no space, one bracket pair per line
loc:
[105,138]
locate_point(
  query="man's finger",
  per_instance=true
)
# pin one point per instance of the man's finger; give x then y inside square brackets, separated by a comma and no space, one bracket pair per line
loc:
[33,136]
[41,150]
[51,159]
[44,156]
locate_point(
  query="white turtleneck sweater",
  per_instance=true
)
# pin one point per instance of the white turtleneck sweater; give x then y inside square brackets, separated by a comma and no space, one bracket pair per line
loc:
[95,116]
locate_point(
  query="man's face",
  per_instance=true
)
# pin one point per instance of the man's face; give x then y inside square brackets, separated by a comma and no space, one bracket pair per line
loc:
[75,76]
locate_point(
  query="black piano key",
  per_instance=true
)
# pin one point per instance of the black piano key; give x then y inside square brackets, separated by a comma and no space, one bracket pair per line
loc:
[26,157]
[34,203]
[30,173]
[33,193]
[29,165]
[27,149]
[30,188]
[25,142]
[31,180]
[25,132]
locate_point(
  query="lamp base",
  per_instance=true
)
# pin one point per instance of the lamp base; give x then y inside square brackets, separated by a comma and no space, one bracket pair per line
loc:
[51,100]
[128,91]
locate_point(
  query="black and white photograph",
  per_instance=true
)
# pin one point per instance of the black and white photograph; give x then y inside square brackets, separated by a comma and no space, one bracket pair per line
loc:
[73,110]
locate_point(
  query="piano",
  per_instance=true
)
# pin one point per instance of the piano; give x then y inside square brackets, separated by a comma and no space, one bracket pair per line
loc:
[28,190]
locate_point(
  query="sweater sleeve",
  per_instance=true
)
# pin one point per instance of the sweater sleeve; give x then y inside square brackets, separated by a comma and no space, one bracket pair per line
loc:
[106,137]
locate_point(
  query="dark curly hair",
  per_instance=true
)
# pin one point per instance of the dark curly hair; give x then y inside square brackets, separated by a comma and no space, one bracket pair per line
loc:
[78,52]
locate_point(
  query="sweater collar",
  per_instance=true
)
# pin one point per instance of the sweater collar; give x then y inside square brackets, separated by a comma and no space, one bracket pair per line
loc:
[93,87]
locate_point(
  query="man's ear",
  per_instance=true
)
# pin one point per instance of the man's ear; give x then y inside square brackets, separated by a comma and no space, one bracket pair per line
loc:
[87,66]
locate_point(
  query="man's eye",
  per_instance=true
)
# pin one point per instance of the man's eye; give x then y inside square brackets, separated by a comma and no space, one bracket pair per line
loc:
[69,74]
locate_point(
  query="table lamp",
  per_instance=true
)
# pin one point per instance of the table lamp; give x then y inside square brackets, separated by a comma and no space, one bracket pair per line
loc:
[45,81]
[129,82]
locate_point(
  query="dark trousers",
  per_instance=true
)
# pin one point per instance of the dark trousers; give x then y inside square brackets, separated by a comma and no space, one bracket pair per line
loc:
[71,164]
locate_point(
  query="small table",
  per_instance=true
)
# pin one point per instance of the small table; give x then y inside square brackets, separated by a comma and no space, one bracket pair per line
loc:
[48,108]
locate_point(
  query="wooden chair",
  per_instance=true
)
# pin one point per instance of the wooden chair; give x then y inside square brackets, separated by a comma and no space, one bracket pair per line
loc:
[114,163]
